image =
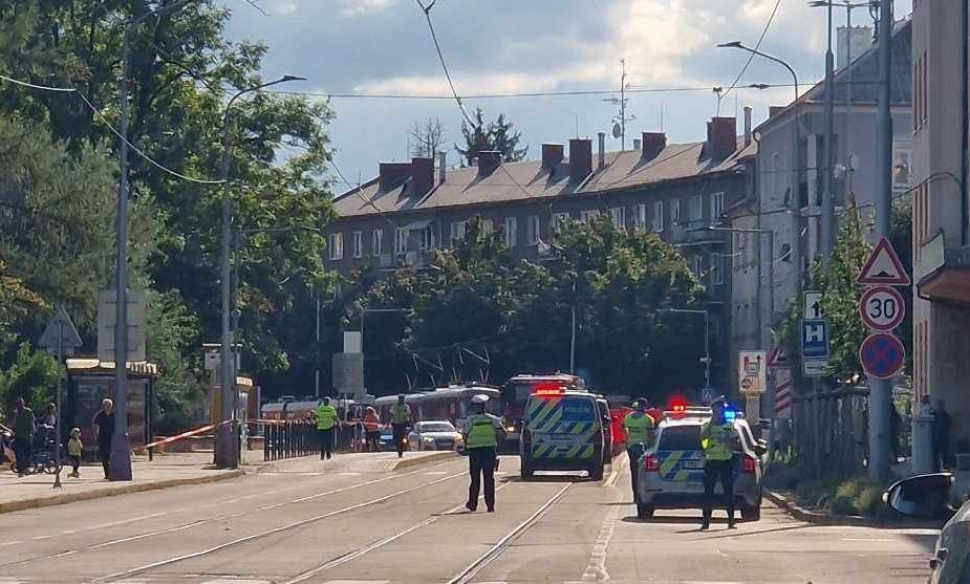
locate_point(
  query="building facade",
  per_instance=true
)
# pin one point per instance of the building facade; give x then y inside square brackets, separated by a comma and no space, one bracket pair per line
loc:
[678,191]
[941,257]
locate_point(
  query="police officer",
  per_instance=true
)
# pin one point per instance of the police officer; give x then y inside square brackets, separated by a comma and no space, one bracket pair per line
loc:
[326,418]
[481,443]
[638,425]
[719,440]
[400,418]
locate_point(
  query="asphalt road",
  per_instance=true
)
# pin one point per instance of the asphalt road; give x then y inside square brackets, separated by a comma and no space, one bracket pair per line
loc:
[409,526]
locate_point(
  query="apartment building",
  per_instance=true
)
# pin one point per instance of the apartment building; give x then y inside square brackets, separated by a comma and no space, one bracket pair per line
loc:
[941,256]
[675,190]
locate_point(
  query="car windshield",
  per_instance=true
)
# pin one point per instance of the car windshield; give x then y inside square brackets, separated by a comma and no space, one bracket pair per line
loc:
[680,438]
[436,427]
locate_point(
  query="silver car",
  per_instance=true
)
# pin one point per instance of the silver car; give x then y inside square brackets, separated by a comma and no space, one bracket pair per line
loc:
[671,472]
[435,435]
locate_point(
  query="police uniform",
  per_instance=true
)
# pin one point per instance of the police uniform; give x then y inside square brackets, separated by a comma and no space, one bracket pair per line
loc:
[481,444]
[638,426]
[326,416]
[400,417]
[717,441]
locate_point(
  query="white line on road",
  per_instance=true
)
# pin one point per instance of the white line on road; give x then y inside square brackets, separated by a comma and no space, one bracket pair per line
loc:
[596,568]
[616,471]
[872,539]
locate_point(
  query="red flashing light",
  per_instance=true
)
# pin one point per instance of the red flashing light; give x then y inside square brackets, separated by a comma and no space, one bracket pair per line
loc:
[677,403]
[747,465]
[651,464]
[547,389]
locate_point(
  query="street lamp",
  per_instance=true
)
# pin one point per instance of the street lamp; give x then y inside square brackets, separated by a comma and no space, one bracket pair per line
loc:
[225,456]
[119,467]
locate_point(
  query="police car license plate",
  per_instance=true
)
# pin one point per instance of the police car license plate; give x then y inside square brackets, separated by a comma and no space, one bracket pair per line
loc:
[693,464]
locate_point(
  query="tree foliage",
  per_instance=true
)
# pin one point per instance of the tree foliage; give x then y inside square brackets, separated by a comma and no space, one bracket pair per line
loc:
[498,135]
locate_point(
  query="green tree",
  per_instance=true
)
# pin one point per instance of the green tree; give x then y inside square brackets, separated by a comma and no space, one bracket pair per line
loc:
[31,376]
[498,135]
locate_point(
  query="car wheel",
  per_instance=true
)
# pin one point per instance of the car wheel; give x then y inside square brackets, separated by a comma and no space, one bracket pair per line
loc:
[596,473]
[751,513]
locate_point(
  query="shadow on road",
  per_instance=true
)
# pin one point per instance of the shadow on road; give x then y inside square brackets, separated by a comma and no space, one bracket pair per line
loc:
[547,479]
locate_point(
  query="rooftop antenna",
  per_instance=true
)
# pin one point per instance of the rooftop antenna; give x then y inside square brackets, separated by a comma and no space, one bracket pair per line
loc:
[619,121]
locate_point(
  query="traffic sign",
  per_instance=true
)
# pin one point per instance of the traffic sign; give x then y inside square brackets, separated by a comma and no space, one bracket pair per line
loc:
[815,346]
[882,308]
[751,371]
[882,355]
[883,267]
[813,304]
[707,395]
[61,335]
[778,357]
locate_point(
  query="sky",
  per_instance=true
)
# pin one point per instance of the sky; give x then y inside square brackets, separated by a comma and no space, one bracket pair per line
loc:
[381,47]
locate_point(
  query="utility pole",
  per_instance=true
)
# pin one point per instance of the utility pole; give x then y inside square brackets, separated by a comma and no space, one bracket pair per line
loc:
[619,122]
[880,391]
[828,194]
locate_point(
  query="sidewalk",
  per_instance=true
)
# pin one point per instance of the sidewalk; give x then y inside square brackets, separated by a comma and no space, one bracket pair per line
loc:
[165,471]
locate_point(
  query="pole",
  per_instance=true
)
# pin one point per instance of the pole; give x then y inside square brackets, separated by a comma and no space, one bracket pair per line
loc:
[236,260]
[817,438]
[770,395]
[316,373]
[879,390]
[225,456]
[707,348]
[828,193]
[623,106]
[572,343]
[57,423]
[119,466]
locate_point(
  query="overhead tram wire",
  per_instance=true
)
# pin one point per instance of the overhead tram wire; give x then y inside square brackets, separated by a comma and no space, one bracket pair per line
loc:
[441,57]
[751,56]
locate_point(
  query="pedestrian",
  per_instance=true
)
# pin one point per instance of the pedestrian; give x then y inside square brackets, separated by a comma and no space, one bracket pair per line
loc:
[925,407]
[49,417]
[481,444]
[719,440]
[372,430]
[942,429]
[400,418]
[24,426]
[74,449]
[326,417]
[638,426]
[358,424]
[105,421]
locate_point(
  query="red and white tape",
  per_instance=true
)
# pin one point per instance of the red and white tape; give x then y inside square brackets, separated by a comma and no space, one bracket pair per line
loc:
[184,435]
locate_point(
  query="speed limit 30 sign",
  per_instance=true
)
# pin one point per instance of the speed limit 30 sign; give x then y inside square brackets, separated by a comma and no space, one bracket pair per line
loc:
[882,308]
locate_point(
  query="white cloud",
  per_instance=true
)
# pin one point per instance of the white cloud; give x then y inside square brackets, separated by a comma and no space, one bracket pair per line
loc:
[280,7]
[364,7]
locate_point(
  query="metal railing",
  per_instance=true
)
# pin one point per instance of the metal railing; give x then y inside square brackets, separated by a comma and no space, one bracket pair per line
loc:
[292,439]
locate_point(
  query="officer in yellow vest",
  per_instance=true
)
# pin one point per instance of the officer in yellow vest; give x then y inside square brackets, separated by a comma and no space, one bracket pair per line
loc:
[326,418]
[480,442]
[719,441]
[638,426]
[400,418]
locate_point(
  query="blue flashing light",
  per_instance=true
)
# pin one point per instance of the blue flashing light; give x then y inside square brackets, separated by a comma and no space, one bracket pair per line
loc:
[729,414]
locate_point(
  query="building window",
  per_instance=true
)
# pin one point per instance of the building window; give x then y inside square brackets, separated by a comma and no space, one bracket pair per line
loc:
[640,217]
[426,239]
[377,242]
[358,244]
[336,246]
[532,231]
[675,211]
[588,215]
[785,252]
[697,266]
[717,275]
[695,208]
[457,231]
[488,226]
[618,216]
[717,207]
[510,234]
[658,217]
[401,235]
[559,220]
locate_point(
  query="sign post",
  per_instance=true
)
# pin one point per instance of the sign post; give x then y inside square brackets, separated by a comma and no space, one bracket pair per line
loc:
[752,368]
[62,338]
[815,361]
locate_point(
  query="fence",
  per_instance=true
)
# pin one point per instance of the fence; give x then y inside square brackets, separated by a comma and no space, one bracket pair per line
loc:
[830,430]
[291,439]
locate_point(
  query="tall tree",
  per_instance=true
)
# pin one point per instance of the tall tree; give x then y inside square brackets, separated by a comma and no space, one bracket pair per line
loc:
[498,135]
[427,138]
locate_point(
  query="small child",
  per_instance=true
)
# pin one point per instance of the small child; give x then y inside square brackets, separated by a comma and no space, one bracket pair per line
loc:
[74,448]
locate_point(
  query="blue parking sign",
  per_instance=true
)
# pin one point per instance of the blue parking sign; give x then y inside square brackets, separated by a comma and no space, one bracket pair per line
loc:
[815,340]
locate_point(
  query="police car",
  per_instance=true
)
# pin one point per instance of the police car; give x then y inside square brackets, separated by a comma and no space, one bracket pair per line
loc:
[562,430]
[671,471]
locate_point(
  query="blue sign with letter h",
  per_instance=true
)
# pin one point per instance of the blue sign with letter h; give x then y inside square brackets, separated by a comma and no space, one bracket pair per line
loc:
[815,340]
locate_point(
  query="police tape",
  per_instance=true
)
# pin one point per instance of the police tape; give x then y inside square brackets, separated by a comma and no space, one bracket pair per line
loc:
[171,439]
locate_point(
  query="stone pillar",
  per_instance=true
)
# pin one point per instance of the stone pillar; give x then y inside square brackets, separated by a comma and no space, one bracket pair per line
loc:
[922,459]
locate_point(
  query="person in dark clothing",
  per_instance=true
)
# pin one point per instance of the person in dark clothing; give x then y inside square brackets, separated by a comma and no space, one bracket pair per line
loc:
[942,428]
[105,421]
[24,426]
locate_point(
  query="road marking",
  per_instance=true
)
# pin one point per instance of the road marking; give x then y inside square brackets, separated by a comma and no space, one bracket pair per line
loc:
[6,543]
[233,581]
[596,568]
[436,473]
[617,470]
[357,582]
[41,537]
[872,539]
[348,474]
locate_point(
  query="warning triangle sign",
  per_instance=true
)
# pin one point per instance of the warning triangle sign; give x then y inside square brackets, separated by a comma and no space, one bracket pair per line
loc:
[883,266]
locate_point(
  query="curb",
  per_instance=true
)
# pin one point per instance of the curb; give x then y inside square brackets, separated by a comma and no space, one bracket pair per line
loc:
[798,512]
[61,499]
[418,461]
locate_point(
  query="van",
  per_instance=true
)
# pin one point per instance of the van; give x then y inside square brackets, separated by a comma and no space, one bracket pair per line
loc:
[563,430]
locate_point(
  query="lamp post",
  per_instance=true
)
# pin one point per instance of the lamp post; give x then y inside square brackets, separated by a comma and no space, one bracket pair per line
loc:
[119,468]
[225,455]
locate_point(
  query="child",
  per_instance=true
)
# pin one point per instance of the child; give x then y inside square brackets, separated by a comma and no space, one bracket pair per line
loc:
[74,448]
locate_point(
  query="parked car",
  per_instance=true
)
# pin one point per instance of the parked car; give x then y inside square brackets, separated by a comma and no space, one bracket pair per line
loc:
[929,497]
[435,435]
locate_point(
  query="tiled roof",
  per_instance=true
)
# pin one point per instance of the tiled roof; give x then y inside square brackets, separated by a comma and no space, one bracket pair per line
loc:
[528,180]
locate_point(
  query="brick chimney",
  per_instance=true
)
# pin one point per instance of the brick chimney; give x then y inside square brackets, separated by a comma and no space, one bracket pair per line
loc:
[601,136]
[442,166]
[747,126]
[580,159]
[488,162]
[653,144]
[551,155]
[722,138]
[422,176]
[637,144]
[393,174]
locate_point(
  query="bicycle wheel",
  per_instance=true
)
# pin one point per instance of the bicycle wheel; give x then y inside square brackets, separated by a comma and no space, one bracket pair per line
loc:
[49,466]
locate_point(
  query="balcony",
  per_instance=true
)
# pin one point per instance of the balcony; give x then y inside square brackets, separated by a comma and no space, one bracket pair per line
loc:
[943,273]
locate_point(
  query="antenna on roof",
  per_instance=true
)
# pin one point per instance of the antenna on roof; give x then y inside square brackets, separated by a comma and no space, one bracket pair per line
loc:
[620,120]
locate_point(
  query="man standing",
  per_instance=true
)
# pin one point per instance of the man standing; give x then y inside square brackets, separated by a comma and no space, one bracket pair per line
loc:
[326,417]
[638,426]
[23,436]
[480,443]
[942,427]
[105,421]
[719,440]
[400,417]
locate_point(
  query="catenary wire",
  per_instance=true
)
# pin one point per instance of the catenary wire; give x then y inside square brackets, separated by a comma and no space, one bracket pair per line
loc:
[757,46]
[441,57]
